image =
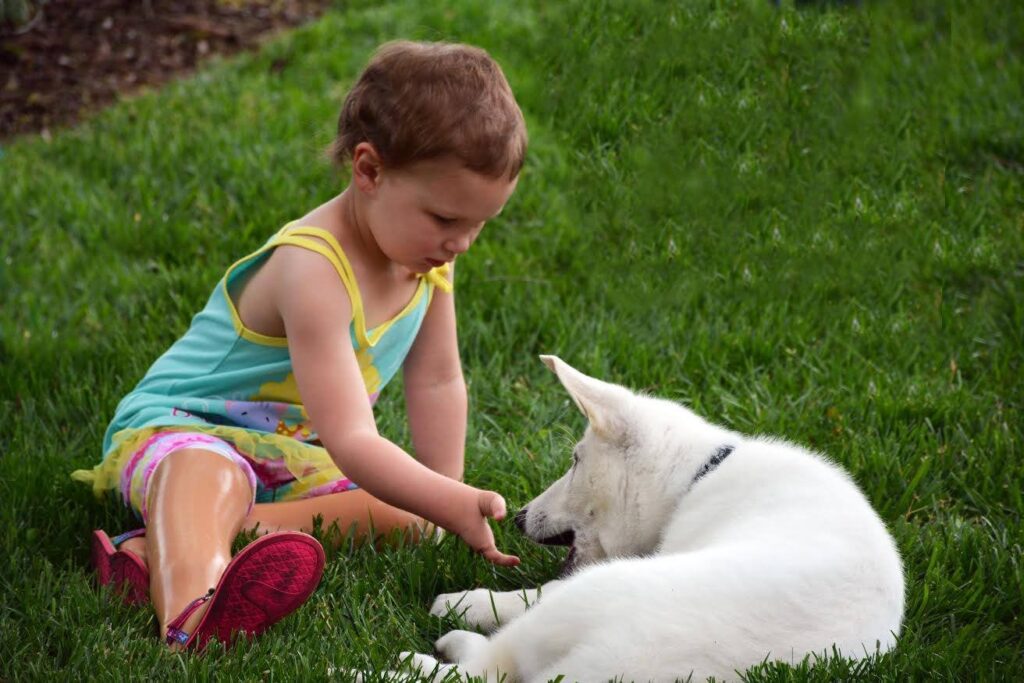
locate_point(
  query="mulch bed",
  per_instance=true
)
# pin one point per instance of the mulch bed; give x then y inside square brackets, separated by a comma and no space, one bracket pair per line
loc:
[76,56]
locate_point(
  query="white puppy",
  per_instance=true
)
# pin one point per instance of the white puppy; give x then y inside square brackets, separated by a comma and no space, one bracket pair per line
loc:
[695,551]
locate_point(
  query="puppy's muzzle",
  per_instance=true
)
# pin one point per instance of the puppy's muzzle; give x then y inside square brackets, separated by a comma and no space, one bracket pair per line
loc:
[565,538]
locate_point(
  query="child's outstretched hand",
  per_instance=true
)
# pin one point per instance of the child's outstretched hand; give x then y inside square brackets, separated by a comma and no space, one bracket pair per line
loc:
[476,531]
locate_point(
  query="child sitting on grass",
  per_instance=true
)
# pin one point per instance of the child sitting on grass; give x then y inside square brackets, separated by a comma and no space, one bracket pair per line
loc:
[260,416]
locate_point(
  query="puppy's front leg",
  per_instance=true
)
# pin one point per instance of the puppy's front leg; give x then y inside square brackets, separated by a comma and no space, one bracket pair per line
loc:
[487,610]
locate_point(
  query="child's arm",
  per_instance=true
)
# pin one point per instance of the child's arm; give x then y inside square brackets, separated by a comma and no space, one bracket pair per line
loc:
[435,391]
[316,312]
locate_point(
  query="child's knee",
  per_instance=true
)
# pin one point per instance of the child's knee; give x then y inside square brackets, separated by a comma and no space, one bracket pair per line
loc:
[178,464]
[195,474]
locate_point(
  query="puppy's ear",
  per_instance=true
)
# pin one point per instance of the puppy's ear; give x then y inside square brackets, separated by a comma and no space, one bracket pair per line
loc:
[602,403]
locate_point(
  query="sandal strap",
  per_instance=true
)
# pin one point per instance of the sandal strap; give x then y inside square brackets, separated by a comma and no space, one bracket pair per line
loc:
[174,632]
[121,538]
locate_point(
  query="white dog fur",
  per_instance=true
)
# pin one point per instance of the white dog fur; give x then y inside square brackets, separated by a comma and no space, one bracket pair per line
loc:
[771,553]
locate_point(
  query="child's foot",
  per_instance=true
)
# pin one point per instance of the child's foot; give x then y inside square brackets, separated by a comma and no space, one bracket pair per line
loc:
[265,581]
[137,545]
[118,562]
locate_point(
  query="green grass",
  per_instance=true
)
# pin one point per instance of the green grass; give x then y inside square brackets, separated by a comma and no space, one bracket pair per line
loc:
[806,222]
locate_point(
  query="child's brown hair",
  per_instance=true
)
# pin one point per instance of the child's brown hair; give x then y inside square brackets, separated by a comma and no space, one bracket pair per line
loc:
[420,101]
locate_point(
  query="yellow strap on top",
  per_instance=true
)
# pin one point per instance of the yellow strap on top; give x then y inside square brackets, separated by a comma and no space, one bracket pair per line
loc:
[435,276]
[439,278]
[336,256]
[333,252]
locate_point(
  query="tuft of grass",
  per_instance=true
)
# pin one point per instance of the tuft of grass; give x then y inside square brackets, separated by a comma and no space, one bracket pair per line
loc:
[799,220]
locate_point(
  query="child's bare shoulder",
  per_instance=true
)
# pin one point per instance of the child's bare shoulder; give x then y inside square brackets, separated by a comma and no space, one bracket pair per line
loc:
[299,271]
[311,262]
[295,282]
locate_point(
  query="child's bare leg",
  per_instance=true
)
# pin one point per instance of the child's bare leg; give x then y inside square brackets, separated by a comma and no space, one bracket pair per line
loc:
[197,503]
[349,508]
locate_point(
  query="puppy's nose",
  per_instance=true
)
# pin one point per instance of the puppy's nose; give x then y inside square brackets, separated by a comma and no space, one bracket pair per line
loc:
[520,520]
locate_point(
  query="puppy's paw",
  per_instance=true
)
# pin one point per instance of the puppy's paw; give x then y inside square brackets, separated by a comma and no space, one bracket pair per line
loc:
[458,646]
[450,602]
[477,607]
[423,665]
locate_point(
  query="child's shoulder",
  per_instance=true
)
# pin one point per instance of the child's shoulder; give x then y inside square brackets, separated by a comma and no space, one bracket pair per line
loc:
[304,261]
[309,258]
[301,274]
[309,249]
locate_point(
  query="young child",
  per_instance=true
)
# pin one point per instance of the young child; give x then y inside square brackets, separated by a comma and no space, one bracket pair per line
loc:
[260,417]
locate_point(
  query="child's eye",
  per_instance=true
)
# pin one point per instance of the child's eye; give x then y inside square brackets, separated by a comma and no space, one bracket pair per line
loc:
[442,220]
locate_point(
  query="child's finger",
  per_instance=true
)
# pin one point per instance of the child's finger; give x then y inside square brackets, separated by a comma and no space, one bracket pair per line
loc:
[497,557]
[498,507]
[492,505]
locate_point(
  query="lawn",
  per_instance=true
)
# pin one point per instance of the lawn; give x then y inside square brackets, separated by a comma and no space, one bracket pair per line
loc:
[799,221]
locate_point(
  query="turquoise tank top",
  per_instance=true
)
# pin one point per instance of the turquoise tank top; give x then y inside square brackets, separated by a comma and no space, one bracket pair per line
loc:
[224,379]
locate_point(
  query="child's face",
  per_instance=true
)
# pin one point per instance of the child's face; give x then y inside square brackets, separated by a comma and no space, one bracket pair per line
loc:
[426,214]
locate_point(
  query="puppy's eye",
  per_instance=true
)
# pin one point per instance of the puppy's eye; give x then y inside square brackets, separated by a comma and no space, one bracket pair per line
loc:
[575,457]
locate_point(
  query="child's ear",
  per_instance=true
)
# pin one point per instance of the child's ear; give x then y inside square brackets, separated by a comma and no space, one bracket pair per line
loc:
[366,167]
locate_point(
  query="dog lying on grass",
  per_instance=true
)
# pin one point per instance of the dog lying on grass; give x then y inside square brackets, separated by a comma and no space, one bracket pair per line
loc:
[695,551]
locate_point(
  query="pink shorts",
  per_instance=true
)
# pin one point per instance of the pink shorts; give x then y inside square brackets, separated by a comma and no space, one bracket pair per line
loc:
[136,475]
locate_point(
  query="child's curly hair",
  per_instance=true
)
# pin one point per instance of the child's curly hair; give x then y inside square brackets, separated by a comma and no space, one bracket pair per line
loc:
[418,101]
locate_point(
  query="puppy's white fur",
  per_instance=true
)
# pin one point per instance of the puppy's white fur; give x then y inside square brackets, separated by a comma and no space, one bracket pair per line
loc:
[774,553]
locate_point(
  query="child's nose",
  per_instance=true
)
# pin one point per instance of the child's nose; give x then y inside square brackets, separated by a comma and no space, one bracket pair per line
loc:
[459,245]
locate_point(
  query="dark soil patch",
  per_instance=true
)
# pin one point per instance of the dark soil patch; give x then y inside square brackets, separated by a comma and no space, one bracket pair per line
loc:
[76,56]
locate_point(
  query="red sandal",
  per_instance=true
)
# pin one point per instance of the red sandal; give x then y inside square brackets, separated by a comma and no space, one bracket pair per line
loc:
[267,580]
[121,568]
